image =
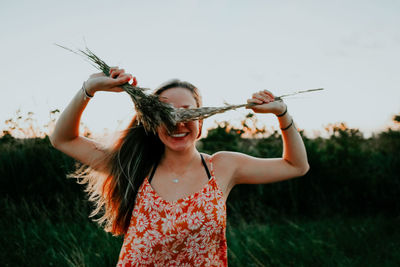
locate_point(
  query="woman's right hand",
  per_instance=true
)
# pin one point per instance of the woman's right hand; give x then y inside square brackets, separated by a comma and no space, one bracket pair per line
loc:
[100,82]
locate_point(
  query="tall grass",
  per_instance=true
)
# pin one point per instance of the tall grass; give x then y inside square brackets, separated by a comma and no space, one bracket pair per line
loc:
[336,241]
[32,236]
[344,212]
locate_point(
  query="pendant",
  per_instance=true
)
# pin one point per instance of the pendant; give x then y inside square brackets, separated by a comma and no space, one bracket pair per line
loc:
[175,180]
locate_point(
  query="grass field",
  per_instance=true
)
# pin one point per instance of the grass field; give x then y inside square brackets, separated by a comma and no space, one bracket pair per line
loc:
[32,235]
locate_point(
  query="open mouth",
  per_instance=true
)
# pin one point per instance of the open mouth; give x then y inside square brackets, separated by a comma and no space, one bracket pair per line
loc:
[179,135]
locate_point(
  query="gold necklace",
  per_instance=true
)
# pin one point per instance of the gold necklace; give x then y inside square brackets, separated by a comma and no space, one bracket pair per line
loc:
[176,179]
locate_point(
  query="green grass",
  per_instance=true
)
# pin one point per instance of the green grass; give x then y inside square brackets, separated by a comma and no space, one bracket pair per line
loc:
[337,241]
[33,235]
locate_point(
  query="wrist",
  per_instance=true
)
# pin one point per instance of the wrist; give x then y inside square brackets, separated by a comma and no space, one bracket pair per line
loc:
[86,94]
[282,112]
[89,89]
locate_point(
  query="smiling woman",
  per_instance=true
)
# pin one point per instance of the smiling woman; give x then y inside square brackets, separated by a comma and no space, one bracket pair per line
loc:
[166,198]
[182,96]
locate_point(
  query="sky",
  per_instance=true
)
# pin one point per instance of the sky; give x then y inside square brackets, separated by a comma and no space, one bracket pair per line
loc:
[228,49]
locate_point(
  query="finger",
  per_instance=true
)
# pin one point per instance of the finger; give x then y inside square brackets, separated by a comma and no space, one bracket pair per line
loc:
[117,73]
[123,79]
[259,96]
[269,93]
[112,69]
[131,79]
[251,103]
[134,81]
[254,100]
[127,75]
[266,97]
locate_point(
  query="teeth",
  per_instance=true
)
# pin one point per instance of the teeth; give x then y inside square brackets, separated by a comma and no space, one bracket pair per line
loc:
[179,135]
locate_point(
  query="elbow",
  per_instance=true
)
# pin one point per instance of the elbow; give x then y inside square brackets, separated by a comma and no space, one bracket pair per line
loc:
[53,141]
[304,169]
[300,169]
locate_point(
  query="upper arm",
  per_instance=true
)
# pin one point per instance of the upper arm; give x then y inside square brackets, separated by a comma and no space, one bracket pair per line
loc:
[83,149]
[251,170]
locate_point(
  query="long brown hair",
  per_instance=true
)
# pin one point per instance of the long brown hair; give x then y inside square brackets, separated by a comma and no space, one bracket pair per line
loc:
[124,167]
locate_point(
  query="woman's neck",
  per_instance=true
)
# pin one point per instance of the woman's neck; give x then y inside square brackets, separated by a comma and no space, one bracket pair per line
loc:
[177,159]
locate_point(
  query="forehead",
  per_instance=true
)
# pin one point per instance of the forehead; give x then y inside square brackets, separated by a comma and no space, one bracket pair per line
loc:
[178,97]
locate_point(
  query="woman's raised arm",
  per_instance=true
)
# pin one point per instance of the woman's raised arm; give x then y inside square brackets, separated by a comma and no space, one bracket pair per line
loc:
[294,163]
[65,136]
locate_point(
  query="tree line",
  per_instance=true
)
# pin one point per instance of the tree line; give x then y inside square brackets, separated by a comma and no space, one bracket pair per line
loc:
[349,174]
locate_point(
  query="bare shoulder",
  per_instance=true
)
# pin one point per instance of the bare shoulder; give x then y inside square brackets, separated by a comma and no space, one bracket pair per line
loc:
[223,164]
[223,161]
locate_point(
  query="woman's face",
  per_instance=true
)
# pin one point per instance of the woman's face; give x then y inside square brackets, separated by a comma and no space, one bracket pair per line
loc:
[185,134]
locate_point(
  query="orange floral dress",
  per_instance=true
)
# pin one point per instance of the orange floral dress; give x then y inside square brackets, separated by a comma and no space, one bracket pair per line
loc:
[186,232]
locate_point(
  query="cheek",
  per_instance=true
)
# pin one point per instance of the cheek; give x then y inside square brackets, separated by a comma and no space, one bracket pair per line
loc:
[161,131]
[193,125]
[196,128]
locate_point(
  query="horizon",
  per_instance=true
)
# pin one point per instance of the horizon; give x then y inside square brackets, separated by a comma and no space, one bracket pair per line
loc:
[28,123]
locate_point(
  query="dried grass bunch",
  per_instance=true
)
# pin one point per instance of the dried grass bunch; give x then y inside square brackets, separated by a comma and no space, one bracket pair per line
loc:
[152,112]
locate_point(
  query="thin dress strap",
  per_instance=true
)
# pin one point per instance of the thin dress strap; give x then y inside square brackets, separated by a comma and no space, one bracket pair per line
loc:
[205,167]
[153,171]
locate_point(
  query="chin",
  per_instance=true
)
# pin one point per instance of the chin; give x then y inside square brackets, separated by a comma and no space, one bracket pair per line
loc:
[177,148]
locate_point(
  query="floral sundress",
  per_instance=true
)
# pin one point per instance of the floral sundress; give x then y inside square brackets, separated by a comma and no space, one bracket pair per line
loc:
[186,232]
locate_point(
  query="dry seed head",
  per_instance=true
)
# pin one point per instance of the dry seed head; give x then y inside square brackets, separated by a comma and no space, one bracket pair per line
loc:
[152,112]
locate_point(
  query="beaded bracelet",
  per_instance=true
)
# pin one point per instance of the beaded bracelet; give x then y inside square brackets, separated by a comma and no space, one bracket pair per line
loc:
[85,92]
[287,127]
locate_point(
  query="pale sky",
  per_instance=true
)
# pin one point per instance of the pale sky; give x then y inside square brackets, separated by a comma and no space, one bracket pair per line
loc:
[228,49]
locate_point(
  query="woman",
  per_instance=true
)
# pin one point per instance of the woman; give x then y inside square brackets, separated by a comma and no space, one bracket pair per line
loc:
[166,198]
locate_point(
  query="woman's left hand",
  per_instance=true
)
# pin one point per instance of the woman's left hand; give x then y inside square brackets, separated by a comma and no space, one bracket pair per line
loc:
[266,103]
